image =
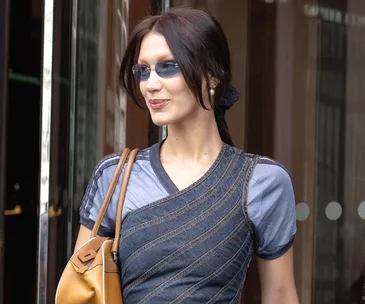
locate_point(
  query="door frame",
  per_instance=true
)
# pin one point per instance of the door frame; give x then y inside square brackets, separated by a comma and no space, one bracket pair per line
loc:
[45,141]
[4,33]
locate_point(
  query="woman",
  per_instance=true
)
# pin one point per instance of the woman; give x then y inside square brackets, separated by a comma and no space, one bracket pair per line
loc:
[196,208]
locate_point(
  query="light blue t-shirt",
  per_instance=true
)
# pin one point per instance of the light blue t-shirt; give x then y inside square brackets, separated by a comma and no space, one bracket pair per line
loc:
[270,201]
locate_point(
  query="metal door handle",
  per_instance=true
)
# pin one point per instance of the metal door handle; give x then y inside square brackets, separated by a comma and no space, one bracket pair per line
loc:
[17,210]
[52,212]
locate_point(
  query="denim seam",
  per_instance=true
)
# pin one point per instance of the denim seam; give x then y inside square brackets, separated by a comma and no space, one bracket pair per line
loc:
[184,191]
[206,213]
[207,234]
[224,288]
[190,268]
[201,283]
[194,203]
[249,168]
[239,291]
[216,273]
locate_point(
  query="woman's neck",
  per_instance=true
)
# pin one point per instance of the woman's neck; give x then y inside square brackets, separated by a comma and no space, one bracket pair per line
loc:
[192,142]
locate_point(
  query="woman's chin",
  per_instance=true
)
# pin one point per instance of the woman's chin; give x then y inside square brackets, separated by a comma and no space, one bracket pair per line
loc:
[160,121]
[159,124]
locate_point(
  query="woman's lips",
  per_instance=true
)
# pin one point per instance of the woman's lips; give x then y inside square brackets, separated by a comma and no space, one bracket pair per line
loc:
[157,103]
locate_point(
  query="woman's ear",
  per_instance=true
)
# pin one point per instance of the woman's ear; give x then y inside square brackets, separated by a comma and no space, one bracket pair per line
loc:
[213,82]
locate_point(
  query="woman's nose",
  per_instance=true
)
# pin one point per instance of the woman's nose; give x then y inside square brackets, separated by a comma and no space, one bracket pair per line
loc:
[153,82]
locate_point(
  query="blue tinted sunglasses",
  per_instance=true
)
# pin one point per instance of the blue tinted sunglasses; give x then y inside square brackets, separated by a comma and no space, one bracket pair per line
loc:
[164,69]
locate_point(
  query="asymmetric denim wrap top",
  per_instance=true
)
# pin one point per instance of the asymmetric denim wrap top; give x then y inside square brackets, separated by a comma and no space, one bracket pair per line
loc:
[193,246]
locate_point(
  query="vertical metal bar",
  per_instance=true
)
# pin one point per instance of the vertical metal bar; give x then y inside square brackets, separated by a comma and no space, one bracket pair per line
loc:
[165,5]
[4,33]
[342,150]
[71,154]
[45,150]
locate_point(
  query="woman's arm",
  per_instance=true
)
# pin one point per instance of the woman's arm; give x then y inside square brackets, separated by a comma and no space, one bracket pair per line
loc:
[83,236]
[277,280]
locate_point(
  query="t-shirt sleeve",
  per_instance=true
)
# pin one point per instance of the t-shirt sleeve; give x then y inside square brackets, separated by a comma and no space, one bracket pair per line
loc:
[271,208]
[94,197]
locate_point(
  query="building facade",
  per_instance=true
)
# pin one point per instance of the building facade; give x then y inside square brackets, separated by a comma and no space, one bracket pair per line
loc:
[299,66]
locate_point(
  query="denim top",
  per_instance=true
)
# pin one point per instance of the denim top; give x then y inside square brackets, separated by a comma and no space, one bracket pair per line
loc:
[195,245]
[270,201]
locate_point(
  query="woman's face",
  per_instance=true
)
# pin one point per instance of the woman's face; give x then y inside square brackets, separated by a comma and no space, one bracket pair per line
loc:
[169,100]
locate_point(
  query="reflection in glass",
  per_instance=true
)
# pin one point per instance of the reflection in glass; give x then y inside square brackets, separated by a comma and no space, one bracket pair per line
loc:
[100,106]
[58,207]
[86,100]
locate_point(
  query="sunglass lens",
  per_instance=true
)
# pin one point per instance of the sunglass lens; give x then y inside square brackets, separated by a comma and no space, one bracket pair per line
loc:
[140,72]
[167,68]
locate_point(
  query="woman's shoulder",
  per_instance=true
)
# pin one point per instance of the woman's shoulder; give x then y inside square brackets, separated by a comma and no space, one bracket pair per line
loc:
[271,208]
[108,163]
[271,184]
[271,173]
[266,170]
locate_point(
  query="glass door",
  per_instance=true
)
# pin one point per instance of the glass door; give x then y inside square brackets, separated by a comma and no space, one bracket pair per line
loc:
[4,12]
[20,59]
[55,214]
[64,112]
[34,108]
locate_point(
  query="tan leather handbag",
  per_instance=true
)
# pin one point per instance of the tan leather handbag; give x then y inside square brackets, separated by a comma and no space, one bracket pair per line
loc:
[92,274]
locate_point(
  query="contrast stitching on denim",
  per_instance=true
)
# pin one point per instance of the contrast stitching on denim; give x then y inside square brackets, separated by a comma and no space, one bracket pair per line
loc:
[224,288]
[190,245]
[195,202]
[216,273]
[242,271]
[171,234]
[191,267]
[186,190]
[249,167]
[236,297]
[239,290]
[206,213]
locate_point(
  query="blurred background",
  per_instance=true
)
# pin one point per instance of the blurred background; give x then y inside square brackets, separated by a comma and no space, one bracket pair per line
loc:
[300,69]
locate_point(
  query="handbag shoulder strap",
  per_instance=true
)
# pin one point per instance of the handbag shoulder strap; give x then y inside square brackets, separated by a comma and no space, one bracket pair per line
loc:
[109,193]
[123,190]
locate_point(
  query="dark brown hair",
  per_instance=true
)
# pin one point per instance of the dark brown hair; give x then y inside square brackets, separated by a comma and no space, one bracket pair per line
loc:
[199,46]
